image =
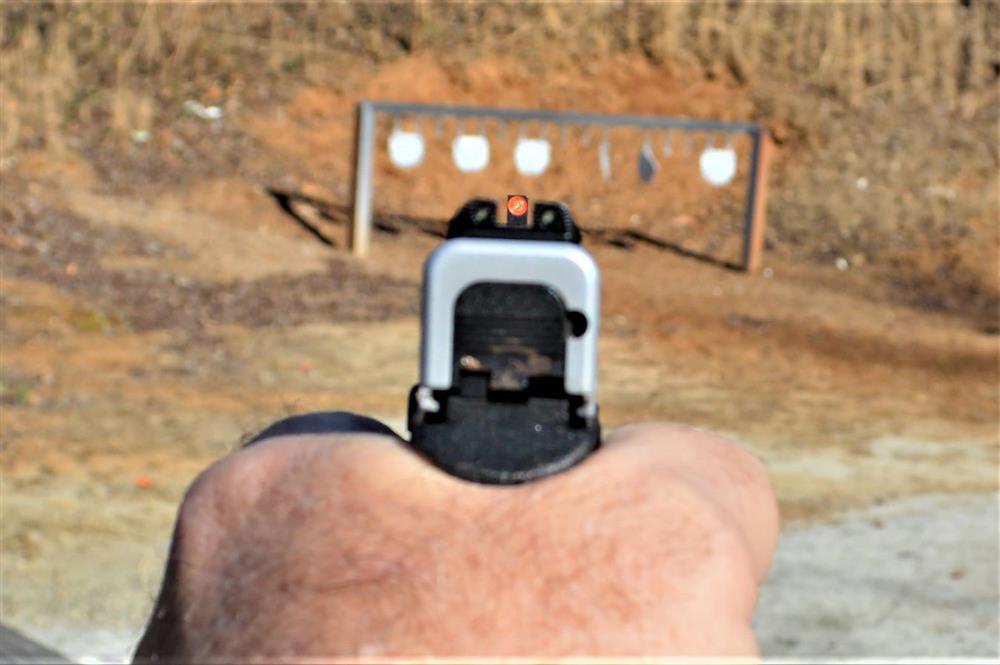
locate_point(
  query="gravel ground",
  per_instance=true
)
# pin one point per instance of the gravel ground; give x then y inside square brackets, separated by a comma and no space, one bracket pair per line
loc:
[912,578]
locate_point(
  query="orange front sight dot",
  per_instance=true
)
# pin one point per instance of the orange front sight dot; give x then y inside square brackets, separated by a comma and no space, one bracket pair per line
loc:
[517,205]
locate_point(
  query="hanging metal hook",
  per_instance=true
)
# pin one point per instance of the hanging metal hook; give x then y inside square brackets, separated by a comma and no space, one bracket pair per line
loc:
[668,143]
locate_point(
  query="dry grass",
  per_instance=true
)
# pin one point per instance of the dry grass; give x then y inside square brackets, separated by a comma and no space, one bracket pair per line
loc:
[903,95]
[113,63]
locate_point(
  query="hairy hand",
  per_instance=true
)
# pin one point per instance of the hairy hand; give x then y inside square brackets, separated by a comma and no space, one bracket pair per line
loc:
[351,545]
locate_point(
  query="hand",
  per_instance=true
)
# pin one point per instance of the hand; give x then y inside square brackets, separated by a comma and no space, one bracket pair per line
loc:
[347,545]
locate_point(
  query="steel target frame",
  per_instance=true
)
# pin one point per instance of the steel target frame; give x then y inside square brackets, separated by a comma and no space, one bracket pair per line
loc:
[755,203]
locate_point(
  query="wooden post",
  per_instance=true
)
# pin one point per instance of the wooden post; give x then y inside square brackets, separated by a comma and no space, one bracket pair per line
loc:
[756,213]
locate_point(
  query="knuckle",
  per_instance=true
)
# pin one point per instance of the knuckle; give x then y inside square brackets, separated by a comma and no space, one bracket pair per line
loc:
[231,484]
[742,465]
[200,499]
[729,460]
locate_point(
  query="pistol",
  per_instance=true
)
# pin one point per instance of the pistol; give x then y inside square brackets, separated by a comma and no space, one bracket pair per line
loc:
[508,356]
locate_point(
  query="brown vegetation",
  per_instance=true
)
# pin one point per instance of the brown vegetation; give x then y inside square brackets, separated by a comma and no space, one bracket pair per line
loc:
[886,112]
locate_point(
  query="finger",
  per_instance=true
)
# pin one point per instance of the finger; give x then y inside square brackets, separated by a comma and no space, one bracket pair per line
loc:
[321,455]
[334,433]
[725,472]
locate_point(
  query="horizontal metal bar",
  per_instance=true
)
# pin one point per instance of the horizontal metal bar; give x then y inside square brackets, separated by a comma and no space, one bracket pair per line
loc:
[565,118]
